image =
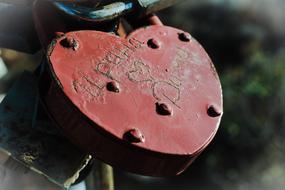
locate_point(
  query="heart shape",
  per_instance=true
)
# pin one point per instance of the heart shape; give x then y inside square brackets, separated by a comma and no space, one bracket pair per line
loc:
[146,97]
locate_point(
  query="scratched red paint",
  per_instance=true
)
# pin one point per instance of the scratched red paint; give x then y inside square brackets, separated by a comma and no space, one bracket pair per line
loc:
[177,73]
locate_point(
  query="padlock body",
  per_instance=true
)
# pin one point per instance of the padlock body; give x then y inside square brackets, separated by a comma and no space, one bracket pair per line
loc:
[149,104]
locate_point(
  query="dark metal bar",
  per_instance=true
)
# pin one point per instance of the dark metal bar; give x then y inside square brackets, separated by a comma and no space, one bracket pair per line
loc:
[17,29]
[101,177]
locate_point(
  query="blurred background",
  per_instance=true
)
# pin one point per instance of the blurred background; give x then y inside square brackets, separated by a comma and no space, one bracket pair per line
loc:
[246,41]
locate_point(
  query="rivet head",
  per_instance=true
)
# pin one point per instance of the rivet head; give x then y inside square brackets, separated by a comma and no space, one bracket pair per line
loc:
[69,42]
[213,111]
[153,43]
[113,86]
[163,109]
[184,37]
[134,136]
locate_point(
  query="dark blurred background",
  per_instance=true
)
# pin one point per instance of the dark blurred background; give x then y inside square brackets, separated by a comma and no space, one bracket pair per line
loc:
[246,41]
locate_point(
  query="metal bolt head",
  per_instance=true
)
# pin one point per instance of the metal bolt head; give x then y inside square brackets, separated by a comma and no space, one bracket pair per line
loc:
[69,42]
[185,37]
[134,136]
[213,111]
[113,86]
[153,43]
[163,109]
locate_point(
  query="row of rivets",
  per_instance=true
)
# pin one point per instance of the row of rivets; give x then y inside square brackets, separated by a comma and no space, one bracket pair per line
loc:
[134,135]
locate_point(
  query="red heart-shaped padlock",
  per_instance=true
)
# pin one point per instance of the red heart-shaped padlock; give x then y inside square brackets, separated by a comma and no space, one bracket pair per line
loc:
[148,104]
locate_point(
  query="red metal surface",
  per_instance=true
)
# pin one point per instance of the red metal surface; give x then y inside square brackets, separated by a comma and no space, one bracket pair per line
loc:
[147,104]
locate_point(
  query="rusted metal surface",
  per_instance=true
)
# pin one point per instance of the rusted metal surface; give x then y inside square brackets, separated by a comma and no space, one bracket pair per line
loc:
[161,113]
[38,146]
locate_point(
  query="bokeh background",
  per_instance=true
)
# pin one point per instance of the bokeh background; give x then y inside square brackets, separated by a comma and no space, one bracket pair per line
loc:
[246,41]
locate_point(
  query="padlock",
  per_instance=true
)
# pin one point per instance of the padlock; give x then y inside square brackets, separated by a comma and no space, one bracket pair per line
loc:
[149,103]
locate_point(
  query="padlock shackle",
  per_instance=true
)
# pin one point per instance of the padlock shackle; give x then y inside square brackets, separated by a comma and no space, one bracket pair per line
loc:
[154,20]
[115,9]
[98,14]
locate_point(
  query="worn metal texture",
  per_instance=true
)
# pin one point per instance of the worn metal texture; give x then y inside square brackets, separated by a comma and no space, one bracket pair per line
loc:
[27,135]
[149,104]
